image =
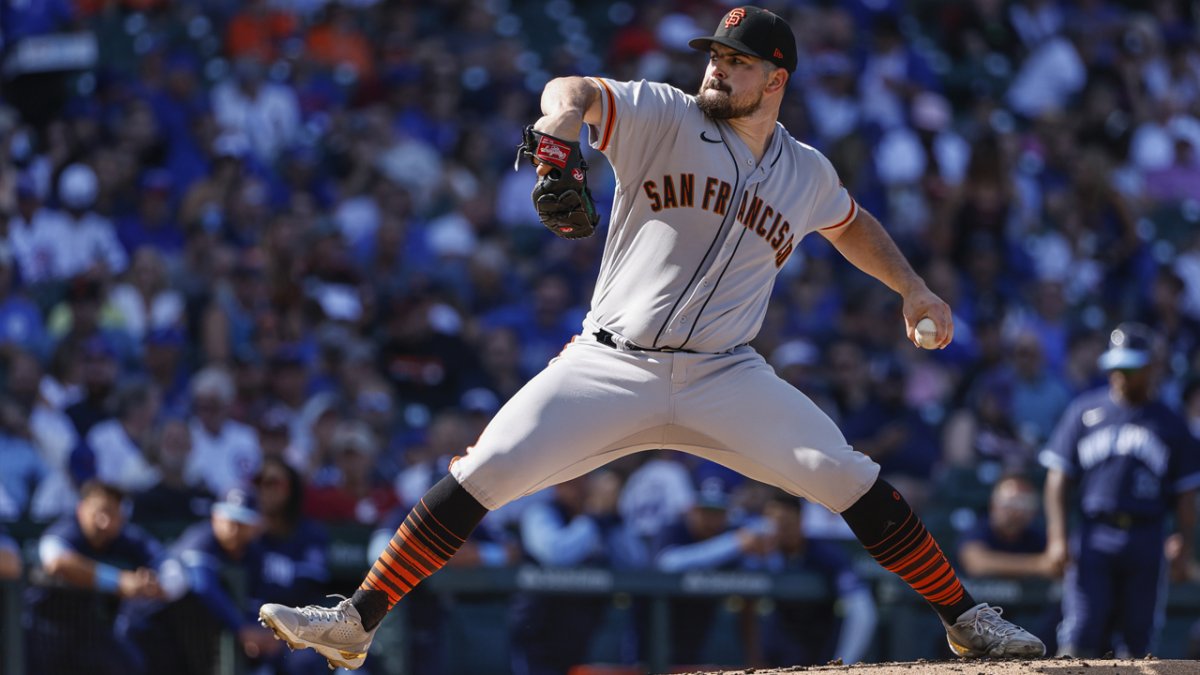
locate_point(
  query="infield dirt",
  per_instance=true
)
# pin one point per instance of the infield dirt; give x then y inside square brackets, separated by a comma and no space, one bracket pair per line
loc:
[1058,666]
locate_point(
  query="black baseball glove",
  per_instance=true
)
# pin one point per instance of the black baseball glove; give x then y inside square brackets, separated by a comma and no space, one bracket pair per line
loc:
[561,197]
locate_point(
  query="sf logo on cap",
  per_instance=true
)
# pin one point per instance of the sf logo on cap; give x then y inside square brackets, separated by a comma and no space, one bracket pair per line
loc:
[734,17]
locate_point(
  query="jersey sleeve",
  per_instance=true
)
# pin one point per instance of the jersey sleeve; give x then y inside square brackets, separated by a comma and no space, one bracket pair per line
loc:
[635,115]
[832,206]
[1059,453]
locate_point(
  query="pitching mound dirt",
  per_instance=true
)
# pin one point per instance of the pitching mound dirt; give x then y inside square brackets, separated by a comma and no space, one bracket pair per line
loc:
[1147,666]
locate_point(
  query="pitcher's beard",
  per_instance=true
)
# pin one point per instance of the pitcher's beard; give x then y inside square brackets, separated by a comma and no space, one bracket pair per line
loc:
[719,105]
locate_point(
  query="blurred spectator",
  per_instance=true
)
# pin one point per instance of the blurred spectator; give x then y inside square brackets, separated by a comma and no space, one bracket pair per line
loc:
[264,113]
[804,633]
[153,224]
[295,565]
[24,468]
[1180,179]
[985,429]
[92,560]
[21,323]
[180,634]
[351,492]
[797,361]
[657,494]
[259,31]
[225,453]
[114,450]
[705,539]
[166,365]
[1008,541]
[1049,77]
[144,302]
[578,527]
[172,501]
[32,233]
[1038,397]
[878,421]
[95,247]
[337,42]
[893,73]
[10,557]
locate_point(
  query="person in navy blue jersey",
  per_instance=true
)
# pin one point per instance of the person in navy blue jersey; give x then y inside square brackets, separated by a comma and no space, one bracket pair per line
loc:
[90,562]
[797,633]
[213,558]
[706,538]
[1008,541]
[1133,461]
[295,565]
[577,527]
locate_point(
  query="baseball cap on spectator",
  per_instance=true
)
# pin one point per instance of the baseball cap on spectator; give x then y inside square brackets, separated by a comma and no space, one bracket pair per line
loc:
[354,436]
[213,382]
[238,505]
[798,352]
[1129,347]
[78,186]
[754,31]
[712,493]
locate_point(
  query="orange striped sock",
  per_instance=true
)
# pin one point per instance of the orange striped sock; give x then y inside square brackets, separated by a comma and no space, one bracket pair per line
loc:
[895,536]
[431,534]
[912,554]
[420,547]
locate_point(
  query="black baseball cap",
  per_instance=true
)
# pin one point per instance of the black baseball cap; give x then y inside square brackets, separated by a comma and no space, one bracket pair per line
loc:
[1129,347]
[754,31]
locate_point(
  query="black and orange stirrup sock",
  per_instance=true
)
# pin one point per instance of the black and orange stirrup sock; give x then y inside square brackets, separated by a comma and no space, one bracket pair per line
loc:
[894,535]
[426,540]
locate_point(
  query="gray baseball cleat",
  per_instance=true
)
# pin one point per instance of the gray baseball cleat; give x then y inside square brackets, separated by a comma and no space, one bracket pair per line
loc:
[334,632]
[980,631]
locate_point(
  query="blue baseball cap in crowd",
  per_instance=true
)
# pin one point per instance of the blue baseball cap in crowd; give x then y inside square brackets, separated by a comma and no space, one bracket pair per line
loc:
[1129,347]
[712,493]
[239,506]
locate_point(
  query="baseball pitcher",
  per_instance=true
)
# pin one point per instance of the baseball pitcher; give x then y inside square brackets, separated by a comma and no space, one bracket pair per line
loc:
[712,197]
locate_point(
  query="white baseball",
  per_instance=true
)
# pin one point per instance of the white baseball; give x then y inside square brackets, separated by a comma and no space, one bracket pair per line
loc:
[926,333]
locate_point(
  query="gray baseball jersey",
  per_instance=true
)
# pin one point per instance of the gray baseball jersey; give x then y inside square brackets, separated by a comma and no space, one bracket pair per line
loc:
[699,228]
[697,233]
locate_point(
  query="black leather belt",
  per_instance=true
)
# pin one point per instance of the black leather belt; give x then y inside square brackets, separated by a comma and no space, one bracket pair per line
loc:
[607,339]
[1125,521]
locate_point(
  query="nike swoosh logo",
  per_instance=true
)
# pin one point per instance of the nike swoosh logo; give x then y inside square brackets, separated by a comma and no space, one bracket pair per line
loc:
[709,140]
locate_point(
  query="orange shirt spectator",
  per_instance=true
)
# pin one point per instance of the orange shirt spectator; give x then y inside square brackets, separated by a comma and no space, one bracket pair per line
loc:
[337,41]
[258,31]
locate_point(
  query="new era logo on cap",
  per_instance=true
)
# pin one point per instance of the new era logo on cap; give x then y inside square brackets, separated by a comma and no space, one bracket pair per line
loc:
[757,32]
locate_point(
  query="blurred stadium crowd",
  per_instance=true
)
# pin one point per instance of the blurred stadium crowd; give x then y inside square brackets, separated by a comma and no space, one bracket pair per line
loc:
[273,253]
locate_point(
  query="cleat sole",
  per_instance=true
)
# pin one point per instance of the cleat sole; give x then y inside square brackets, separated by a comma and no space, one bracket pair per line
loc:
[334,663]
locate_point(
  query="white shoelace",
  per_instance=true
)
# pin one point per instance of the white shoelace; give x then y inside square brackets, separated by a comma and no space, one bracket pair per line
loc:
[989,620]
[320,614]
